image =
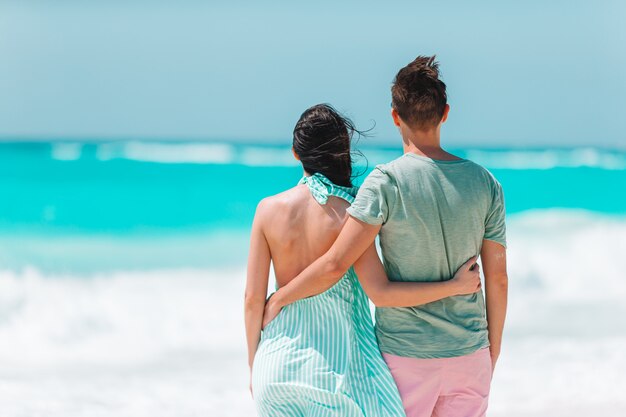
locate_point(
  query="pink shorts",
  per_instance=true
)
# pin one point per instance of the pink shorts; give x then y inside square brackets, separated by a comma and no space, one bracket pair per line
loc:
[443,387]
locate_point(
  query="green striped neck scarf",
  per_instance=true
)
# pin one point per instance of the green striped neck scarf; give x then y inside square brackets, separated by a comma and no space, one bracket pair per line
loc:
[321,188]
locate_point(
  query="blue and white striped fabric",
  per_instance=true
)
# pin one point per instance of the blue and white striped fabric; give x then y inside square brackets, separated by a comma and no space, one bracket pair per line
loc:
[321,188]
[319,357]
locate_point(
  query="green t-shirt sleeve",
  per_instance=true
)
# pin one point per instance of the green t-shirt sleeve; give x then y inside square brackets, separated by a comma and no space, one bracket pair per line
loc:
[375,198]
[495,226]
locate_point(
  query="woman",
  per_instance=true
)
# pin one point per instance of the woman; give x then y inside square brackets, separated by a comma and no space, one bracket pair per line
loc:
[319,357]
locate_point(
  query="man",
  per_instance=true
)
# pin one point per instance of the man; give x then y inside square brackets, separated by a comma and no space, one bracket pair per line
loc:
[433,211]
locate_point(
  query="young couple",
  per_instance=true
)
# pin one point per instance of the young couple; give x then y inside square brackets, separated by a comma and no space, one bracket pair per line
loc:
[435,342]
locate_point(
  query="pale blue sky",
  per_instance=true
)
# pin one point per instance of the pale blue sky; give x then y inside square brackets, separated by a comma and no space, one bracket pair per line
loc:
[519,73]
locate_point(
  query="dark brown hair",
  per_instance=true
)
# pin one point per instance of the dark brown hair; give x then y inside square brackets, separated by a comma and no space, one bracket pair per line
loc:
[321,139]
[418,95]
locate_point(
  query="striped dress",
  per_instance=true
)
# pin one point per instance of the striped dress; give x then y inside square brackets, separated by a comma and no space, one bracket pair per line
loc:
[319,356]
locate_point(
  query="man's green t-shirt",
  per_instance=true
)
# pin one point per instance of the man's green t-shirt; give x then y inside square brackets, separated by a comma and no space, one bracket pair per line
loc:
[434,216]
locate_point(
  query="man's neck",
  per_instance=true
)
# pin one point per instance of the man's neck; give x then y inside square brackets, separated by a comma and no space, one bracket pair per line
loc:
[425,143]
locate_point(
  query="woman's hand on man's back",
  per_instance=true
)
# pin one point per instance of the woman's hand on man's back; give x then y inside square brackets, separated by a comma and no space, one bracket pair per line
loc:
[466,280]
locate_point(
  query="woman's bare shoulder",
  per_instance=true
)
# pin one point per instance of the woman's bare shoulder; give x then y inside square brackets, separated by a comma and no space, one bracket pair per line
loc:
[283,202]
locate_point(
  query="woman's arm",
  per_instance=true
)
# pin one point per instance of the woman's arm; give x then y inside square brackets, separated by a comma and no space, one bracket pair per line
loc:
[259,260]
[385,293]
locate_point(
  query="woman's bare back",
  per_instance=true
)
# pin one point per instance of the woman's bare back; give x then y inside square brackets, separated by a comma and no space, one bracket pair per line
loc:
[299,230]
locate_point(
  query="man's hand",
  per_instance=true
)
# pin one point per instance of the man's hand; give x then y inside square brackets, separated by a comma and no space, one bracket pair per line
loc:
[272,308]
[467,278]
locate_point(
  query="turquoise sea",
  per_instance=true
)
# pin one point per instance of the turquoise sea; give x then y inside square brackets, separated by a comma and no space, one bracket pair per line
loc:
[122,271]
[206,193]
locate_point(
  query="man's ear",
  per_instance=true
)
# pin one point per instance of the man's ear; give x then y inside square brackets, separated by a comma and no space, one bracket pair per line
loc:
[446,110]
[295,155]
[395,116]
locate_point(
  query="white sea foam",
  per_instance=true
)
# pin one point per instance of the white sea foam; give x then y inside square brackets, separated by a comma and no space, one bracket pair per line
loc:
[198,153]
[67,151]
[157,343]
[549,158]
[265,155]
[564,254]
[117,318]
[171,341]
